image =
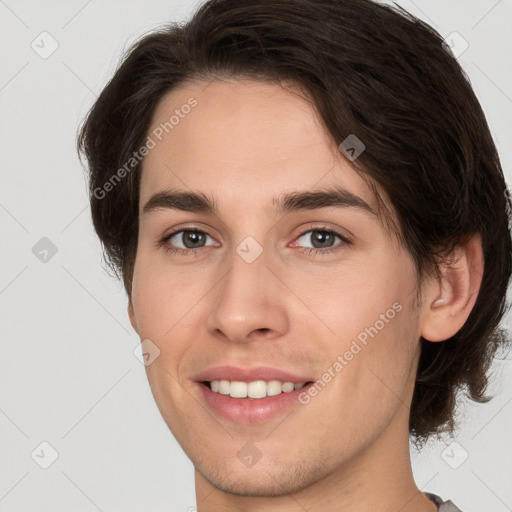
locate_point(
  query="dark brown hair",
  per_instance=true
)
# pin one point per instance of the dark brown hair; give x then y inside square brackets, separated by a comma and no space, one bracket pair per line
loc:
[371,70]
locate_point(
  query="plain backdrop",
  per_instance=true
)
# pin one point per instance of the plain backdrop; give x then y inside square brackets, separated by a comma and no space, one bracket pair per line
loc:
[73,395]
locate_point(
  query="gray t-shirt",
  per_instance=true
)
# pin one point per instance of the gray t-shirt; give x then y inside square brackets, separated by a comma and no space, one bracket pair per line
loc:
[443,506]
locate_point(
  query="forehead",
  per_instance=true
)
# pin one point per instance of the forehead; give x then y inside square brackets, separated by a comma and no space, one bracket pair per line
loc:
[244,140]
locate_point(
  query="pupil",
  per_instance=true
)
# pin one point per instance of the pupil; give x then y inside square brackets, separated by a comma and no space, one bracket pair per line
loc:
[192,239]
[323,238]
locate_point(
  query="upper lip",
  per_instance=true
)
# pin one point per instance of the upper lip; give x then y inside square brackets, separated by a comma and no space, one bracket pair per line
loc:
[251,374]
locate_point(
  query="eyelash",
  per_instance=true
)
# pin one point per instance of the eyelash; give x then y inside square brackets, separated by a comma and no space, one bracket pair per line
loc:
[306,250]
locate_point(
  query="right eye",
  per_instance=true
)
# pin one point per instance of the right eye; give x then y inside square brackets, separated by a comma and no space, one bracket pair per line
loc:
[185,241]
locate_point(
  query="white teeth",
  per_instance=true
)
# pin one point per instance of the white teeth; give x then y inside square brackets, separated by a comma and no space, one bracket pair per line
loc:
[287,387]
[238,389]
[274,387]
[254,389]
[257,389]
[224,386]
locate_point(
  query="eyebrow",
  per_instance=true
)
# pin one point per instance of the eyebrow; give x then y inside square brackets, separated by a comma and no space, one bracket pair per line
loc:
[199,202]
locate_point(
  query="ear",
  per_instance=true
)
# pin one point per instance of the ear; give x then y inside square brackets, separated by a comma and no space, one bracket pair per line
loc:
[449,301]
[131,315]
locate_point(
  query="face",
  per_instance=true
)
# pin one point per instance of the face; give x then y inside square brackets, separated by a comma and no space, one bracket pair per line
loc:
[261,258]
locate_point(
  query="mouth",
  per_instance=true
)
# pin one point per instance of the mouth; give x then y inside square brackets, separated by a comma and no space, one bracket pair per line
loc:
[250,395]
[254,390]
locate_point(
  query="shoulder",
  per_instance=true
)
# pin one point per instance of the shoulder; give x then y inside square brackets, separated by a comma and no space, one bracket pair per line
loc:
[444,506]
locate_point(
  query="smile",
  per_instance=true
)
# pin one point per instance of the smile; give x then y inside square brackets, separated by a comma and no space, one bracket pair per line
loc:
[255,389]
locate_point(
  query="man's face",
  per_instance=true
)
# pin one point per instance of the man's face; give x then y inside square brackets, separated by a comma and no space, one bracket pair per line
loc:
[313,294]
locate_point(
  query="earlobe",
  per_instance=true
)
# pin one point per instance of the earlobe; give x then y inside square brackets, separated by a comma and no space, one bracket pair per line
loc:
[450,301]
[131,315]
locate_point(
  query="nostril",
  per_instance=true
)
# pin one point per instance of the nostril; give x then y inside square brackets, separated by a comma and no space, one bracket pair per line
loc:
[263,330]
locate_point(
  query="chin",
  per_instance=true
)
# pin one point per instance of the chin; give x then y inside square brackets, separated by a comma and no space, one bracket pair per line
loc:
[281,479]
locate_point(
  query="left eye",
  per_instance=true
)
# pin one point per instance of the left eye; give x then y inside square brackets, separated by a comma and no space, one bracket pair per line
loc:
[320,238]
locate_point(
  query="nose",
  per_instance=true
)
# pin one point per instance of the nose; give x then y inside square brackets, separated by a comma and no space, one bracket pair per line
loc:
[249,303]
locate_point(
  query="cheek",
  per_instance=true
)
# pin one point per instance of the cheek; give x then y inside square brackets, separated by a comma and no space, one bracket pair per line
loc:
[353,297]
[372,334]
[170,307]
[373,379]
[162,297]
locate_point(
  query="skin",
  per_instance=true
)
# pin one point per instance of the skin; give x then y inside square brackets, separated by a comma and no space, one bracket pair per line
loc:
[245,143]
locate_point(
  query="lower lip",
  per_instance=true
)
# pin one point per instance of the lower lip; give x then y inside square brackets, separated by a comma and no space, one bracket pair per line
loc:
[246,410]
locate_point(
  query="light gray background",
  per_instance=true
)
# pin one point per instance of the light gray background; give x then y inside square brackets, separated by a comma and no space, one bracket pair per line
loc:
[68,374]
